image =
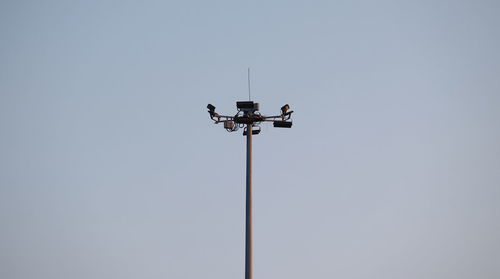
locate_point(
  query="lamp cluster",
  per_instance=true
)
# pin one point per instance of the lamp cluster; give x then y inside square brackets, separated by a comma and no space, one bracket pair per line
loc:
[248,113]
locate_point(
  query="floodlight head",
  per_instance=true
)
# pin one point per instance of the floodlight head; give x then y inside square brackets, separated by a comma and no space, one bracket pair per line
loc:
[229,125]
[254,132]
[285,108]
[210,107]
[247,106]
[244,105]
[282,124]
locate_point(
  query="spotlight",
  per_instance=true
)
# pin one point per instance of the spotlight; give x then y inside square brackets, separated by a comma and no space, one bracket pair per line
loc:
[254,132]
[229,125]
[282,124]
[245,105]
[285,108]
[211,111]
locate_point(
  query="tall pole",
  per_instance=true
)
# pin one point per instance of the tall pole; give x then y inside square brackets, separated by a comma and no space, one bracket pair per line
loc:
[248,233]
[248,115]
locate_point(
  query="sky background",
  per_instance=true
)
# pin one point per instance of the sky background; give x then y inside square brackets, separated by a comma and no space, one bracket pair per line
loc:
[111,168]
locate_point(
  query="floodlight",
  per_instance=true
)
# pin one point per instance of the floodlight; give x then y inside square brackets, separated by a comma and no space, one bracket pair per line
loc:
[210,107]
[229,125]
[285,108]
[244,105]
[282,124]
[254,132]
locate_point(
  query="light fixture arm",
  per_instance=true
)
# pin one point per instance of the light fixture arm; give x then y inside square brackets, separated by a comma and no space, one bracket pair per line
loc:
[248,113]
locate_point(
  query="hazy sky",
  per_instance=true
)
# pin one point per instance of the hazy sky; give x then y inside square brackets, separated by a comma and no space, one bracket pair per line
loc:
[111,168]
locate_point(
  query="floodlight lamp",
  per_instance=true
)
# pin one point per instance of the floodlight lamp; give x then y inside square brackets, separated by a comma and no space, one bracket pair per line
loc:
[229,125]
[254,132]
[245,105]
[285,108]
[282,124]
[210,107]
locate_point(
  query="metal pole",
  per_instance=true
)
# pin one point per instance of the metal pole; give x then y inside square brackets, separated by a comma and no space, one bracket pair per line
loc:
[248,233]
[248,115]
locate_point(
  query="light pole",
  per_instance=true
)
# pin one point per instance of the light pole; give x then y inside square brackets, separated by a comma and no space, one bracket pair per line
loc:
[249,118]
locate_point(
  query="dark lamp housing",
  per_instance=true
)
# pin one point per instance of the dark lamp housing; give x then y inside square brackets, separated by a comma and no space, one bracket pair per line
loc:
[229,125]
[282,124]
[245,105]
[285,108]
[210,107]
[254,132]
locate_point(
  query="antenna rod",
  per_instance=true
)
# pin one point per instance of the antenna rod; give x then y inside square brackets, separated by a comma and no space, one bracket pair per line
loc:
[249,84]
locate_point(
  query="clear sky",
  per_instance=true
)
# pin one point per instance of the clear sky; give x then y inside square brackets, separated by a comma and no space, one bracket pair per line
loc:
[111,168]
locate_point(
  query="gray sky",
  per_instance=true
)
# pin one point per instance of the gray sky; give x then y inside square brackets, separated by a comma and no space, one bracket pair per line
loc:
[110,167]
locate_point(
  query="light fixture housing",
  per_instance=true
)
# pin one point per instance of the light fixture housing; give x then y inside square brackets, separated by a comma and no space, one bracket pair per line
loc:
[282,124]
[285,108]
[254,132]
[244,104]
[229,125]
[247,106]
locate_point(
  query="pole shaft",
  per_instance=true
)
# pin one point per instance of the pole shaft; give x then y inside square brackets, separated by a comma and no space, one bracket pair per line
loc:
[248,232]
